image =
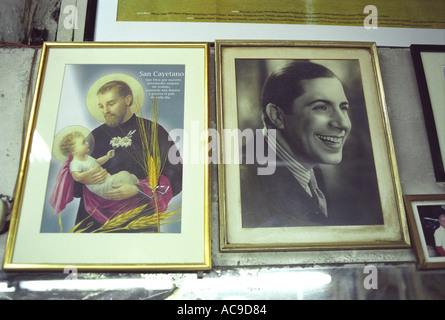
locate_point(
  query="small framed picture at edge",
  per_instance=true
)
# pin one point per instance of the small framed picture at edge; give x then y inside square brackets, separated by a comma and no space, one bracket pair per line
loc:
[426,217]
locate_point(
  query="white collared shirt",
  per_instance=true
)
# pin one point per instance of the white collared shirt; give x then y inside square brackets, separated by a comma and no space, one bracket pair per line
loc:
[303,176]
[439,237]
[300,173]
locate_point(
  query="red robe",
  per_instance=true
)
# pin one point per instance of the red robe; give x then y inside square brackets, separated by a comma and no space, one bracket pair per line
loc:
[103,209]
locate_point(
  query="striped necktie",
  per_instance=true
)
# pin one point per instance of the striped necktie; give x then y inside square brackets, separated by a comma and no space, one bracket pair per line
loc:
[318,194]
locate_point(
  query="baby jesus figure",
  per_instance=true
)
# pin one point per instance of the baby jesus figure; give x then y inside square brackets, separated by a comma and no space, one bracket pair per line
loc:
[83,165]
[80,165]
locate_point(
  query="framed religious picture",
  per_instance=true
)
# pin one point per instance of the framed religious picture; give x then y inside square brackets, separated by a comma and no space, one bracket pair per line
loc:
[426,217]
[109,177]
[307,159]
[429,65]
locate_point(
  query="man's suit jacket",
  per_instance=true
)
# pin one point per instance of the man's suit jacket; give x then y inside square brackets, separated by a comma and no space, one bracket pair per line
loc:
[276,200]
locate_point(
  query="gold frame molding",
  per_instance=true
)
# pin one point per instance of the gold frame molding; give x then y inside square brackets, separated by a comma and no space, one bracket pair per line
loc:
[393,233]
[148,254]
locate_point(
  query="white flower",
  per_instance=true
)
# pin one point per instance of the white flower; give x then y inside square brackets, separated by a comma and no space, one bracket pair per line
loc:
[125,142]
[115,142]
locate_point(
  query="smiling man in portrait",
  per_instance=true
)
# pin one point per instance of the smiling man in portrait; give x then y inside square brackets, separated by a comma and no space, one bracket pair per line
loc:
[305,106]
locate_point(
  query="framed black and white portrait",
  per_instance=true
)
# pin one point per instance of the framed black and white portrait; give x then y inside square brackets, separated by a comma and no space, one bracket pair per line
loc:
[306,156]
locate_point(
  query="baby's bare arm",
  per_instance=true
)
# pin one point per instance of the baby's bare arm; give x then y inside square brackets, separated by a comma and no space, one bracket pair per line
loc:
[104,159]
[93,176]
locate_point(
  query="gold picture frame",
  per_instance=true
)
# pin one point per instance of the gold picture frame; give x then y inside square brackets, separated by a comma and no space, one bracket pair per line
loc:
[423,212]
[362,192]
[162,221]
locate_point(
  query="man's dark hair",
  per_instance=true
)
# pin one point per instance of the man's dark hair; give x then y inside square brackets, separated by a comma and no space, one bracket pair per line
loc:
[283,86]
[123,88]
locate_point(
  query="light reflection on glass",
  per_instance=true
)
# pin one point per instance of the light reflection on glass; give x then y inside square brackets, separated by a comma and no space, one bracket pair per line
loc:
[5,288]
[40,150]
[240,286]
[89,285]
[248,285]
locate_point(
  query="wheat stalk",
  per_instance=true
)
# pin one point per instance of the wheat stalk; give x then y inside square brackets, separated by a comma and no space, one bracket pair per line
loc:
[155,159]
[153,176]
[167,217]
[75,228]
[121,219]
